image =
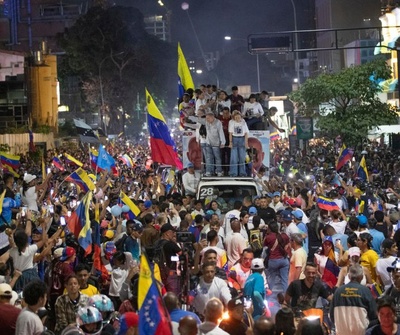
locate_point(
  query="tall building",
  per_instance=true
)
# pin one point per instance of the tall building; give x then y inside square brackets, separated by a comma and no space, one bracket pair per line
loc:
[343,14]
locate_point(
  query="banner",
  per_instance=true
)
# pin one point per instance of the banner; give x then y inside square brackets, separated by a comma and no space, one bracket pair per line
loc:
[259,140]
[191,150]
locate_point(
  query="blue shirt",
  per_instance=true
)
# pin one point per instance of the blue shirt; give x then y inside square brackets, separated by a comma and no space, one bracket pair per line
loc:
[303,228]
[132,245]
[177,314]
[255,283]
[377,240]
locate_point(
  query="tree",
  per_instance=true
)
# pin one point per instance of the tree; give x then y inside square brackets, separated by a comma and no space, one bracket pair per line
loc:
[352,106]
[114,57]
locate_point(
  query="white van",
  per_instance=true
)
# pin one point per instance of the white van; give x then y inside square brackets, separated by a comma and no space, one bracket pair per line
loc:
[226,190]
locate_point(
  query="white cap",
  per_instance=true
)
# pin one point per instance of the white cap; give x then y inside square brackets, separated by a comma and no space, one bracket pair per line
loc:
[29,177]
[257,264]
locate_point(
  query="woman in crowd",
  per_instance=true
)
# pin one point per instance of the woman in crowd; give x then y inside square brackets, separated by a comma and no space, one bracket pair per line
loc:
[327,265]
[389,254]
[369,257]
[238,142]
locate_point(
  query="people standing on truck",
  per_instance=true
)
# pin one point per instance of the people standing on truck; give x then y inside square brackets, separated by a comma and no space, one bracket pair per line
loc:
[226,151]
[237,101]
[238,142]
[252,113]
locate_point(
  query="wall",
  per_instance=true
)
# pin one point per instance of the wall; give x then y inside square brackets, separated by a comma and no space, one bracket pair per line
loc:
[19,143]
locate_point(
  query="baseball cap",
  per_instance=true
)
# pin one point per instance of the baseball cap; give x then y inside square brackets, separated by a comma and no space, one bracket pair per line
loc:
[137,226]
[37,230]
[127,320]
[109,234]
[166,227]
[257,264]
[362,219]
[29,177]
[5,290]
[395,266]
[57,253]
[354,251]
[276,194]
[147,204]
[190,165]
[67,253]
[286,215]
[327,239]
[232,304]
[252,210]
[109,248]
[298,214]
[291,202]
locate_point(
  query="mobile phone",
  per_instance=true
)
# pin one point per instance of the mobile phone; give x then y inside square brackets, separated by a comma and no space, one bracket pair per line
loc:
[62,221]
[171,205]
[48,170]
[23,211]
[247,302]
[108,209]
[73,202]
[51,192]
[101,201]
[203,236]
[69,213]
[338,241]
[51,209]
[105,198]
[174,258]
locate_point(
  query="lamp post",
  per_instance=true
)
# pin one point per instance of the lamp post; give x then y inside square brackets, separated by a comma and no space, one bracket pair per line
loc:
[296,42]
[230,38]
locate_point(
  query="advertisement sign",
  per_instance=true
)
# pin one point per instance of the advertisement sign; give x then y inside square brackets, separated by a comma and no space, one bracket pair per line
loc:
[304,128]
[191,150]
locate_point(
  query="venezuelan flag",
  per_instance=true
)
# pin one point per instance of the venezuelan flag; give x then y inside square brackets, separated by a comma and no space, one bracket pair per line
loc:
[9,160]
[11,170]
[326,203]
[362,171]
[1,200]
[134,210]
[85,235]
[80,178]
[73,160]
[344,156]
[293,130]
[126,160]
[185,80]
[274,136]
[163,149]
[153,317]
[97,263]
[57,163]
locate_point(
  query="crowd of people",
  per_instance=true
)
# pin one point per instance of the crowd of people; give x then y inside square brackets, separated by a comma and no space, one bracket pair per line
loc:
[315,253]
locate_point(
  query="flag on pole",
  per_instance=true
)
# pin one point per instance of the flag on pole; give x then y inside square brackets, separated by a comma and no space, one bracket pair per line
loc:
[326,203]
[163,149]
[31,143]
[81,179]
[344,156]
[9,169]
[9,160]
[1,200]
[127,160]
[153,316]
[362,171]
[274,136]
[134,210]
[57,163]
[86,133]
[72,160]
[185,80]
[85,235]
[106,161]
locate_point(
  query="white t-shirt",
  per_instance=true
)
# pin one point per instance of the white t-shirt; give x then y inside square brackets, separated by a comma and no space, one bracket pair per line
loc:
[28,323]
[238,129]
[25,260]
[29,198]
[218,288]
[235,244]
[340,226]
[381,270]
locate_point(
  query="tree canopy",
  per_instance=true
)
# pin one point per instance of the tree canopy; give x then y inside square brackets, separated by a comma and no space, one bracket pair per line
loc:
[349,99]
[115,58]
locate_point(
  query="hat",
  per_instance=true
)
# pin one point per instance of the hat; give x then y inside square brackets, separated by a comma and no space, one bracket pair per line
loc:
[387,243]
[395,266]
[166,227]
[147,204]
[276,194]
[109,248]
[269,195]
[190,165]
[298,214]
[252,211]
[257,264]
[354,251]
[286,215]
[127,320]
[291,202]
[37,230]
[29,177]
[109,234]
[137,226]
[57,253]
[362,219]
[327,239]
[269,214]
[67,253]
[232,304]
[5,290]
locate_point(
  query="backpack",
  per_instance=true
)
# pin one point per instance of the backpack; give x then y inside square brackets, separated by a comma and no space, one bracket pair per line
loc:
[255,242]
[119,245]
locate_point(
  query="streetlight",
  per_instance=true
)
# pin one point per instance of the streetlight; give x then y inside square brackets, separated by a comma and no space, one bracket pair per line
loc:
[296,41]
[229,38]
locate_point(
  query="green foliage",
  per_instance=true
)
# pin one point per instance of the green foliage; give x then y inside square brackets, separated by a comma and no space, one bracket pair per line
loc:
[114,57]
[351,106]
[5,147]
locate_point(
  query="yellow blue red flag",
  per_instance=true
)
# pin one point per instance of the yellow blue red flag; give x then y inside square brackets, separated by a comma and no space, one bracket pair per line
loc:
[153,317]
[134,210]
[362,171]
[163,149]
[81,178]
[185,80]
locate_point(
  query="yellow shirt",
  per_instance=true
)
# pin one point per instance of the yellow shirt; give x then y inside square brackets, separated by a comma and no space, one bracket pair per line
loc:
[369,260]
[89,291]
